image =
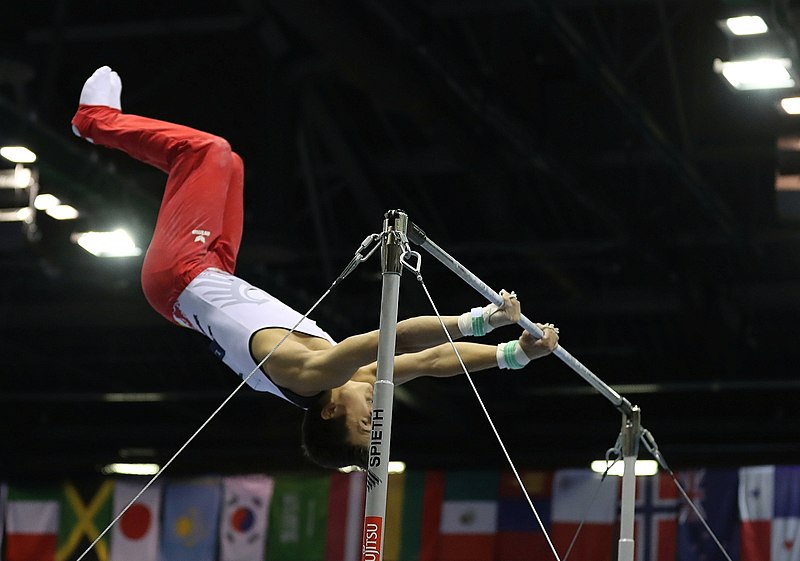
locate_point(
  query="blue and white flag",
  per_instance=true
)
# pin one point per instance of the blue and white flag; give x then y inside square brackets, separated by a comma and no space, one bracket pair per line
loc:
[714,493]
[190,520]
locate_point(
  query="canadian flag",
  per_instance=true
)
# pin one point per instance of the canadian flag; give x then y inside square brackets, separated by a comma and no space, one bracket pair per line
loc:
[135,535]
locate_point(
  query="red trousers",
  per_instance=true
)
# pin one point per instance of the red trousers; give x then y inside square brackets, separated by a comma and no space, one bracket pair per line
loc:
[201,216]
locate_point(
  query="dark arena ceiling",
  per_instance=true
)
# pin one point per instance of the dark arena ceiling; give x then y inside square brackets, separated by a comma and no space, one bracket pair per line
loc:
[581,152]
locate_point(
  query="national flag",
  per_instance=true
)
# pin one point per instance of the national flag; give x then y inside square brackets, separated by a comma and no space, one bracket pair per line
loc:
[519,534]
[769,506]
[417,526]
[3,495]
[245,511]
[756,490]
[298,518]
[786,521]
[346,516]
[31,525]
[85,513]
[468,518]
[190,520]
[714,493]
[656,521]
[135,535]
[580,495]
[393,532]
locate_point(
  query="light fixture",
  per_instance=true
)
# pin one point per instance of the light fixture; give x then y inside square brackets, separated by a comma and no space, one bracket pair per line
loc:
[757,74]
[642,467]
[394,468]
[108,244]
[791,105]
[745,25]
[62,212]
[130,469]
[45,201]
[24,214]
[18,154]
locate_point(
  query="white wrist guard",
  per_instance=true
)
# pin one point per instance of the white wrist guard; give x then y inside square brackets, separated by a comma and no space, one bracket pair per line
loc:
[510,356]
[476,321]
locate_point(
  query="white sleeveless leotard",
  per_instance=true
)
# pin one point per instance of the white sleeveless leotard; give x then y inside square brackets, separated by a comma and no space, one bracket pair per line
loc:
[229,311]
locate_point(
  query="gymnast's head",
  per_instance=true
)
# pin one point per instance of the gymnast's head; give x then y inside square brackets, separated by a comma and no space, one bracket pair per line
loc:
[336,428]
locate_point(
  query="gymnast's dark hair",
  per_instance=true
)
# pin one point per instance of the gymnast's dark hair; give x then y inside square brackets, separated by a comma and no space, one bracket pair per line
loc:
[325,441]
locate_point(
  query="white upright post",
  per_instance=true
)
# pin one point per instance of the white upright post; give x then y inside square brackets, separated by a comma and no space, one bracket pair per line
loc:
[394,231]
[631,429]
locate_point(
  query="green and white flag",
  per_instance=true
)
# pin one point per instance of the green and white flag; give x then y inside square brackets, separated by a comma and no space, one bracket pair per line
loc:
[298,519]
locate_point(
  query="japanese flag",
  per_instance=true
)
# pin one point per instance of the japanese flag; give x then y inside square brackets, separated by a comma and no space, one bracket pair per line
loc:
[135,535]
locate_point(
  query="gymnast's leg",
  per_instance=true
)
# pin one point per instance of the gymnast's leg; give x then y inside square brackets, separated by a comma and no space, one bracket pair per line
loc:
[199,223]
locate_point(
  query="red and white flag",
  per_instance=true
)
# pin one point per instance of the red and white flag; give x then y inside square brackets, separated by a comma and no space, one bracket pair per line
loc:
[656,523]
[345,516]
[31,529]
[579,495]
[3,497]
[135,535]
[245,510]
[770,513]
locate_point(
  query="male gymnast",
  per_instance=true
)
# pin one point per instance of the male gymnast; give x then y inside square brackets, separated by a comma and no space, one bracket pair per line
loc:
[187,277]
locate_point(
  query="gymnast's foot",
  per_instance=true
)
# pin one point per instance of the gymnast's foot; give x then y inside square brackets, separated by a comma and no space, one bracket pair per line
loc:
[104,87]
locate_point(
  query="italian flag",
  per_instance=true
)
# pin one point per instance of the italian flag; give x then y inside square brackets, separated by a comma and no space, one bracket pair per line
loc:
[31,525]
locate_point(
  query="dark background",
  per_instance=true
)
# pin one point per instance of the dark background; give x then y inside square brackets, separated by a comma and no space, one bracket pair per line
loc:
[580,152]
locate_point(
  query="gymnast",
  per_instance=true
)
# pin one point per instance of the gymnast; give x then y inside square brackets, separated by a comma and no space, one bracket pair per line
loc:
[187,277]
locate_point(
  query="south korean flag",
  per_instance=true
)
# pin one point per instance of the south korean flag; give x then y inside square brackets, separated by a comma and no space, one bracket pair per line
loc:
[243,531]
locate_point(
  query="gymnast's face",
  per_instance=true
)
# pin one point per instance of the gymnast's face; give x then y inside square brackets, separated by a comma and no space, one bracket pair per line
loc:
[354,401]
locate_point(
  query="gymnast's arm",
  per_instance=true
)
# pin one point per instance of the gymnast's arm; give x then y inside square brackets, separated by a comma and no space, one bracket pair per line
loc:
[304,370]
[441,361]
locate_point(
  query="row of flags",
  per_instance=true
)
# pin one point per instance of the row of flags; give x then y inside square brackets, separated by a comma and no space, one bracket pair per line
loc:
[430,516]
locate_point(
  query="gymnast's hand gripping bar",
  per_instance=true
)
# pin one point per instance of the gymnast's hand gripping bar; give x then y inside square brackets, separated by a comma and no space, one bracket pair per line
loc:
[418,236]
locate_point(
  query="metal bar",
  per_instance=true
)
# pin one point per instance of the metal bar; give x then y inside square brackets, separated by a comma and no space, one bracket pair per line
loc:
[631,432]
[394,229]
[418,236]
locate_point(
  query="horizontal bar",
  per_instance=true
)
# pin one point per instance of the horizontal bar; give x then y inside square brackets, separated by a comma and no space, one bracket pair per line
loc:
[418,236]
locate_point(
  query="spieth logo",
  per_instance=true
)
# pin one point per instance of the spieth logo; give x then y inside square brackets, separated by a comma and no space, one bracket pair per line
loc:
[200,235]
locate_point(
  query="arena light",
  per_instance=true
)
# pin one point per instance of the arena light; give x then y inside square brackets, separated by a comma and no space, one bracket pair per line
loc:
[18,154]
[642,467]
[45,201]
[394,468]
[130,469]
[791,105]
[62,212]
[746,25]
[108,244]
[757,74]
[24,214]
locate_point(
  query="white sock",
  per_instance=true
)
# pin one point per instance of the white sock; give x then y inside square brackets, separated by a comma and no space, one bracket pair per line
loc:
[104,87]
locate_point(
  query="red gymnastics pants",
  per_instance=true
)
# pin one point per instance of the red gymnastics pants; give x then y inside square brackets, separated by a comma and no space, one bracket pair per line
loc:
[201,216]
